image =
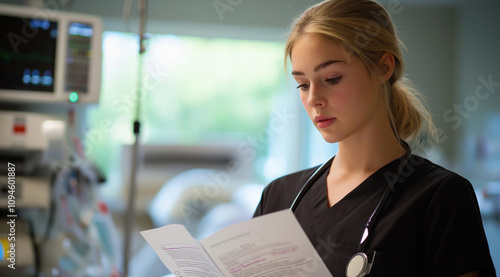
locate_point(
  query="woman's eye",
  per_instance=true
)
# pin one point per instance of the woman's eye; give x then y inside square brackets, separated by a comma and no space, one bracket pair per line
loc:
[303,86]
[334,80]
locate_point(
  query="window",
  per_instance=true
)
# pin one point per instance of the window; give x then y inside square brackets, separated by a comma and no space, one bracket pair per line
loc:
[194,91]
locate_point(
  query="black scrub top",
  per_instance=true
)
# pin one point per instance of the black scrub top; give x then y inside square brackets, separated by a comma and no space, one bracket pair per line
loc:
[431,225]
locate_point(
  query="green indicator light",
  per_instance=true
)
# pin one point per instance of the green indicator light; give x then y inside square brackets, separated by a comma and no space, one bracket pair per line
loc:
[73,97]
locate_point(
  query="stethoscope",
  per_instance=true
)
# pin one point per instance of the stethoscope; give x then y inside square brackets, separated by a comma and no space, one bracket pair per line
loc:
[358,265]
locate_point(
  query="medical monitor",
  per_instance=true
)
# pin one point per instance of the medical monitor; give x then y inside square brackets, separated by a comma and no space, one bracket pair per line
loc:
[49,56]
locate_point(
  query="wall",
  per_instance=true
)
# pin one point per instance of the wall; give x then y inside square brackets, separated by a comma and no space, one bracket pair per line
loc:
[476,124]
[430,57]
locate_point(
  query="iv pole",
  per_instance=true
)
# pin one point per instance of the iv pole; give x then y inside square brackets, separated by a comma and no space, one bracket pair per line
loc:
[129,216]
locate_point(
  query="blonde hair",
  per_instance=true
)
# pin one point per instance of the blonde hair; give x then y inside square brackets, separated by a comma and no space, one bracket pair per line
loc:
[364,28]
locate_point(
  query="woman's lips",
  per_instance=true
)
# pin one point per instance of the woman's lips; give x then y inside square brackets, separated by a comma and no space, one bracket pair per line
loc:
[323,121]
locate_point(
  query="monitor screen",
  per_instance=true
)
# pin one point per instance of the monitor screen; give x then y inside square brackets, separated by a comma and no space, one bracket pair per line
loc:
[79,55]
[28,54]
[49,57]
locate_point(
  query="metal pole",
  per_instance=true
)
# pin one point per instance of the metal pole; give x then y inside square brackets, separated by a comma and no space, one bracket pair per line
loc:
[130,215]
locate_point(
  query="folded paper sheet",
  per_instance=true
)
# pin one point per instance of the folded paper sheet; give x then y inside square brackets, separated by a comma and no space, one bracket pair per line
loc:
[270,245]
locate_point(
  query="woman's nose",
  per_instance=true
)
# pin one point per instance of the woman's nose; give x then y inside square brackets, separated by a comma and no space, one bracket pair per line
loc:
[316,96]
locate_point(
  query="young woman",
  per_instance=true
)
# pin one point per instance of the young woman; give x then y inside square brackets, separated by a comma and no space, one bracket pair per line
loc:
[402,214]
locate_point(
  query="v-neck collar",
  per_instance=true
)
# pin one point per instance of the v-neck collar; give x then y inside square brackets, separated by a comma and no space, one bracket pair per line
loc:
[368,191]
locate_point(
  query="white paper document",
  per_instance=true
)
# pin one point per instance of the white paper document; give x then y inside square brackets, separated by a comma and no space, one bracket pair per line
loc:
[272,245]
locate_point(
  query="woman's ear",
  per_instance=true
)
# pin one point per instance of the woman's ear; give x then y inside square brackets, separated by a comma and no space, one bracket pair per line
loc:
[387,66]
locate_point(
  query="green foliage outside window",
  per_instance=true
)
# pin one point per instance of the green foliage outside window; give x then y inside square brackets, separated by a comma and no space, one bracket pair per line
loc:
[194,91]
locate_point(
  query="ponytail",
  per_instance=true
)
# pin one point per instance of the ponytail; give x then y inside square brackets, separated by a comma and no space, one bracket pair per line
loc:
[409,114]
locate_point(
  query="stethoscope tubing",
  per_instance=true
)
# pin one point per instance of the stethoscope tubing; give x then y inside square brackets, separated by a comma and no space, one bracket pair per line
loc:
[314,177]
[381,204]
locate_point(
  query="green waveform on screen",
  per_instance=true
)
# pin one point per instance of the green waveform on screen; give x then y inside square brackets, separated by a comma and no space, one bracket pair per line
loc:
[7,56]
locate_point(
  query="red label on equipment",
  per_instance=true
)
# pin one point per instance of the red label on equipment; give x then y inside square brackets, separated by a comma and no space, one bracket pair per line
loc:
[19,129]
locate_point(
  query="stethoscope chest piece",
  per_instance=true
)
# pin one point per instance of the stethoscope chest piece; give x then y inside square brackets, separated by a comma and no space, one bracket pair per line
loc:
[358,265]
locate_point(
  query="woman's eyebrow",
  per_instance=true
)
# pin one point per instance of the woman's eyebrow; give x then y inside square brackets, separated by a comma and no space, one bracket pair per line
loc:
[318,67]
